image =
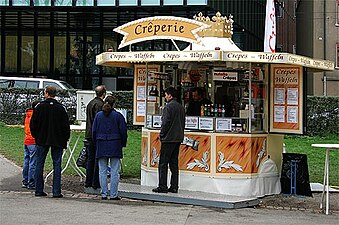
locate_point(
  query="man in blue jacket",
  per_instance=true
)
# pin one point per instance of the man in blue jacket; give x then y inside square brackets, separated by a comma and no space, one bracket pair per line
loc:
[50,128]
[171,136]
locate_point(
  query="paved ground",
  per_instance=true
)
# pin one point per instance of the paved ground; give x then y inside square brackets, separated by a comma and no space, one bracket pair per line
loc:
[19,205]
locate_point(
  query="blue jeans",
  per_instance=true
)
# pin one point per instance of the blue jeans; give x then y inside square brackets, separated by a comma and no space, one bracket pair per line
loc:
[56,153]
[115,176]
[28,171]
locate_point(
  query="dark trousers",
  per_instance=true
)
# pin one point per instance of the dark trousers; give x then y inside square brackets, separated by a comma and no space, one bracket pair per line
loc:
[92,168]
[56,153]
[169,156]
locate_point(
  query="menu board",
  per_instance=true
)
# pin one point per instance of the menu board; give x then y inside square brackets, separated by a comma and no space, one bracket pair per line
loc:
[139,106]
[191,123]
[206,123]
[286,99]
[223,124]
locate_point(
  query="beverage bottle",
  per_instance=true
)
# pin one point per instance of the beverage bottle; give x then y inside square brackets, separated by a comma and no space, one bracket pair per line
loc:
[202,111]
[215,110]
[205,110]
[219,111]
[212,110]
[223,111]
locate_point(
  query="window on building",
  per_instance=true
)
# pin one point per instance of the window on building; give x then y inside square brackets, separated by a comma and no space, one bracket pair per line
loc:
[280,9]
[4,2]
[84,3]
[337,14]
[128,2]
[173,2]
[62,2]
[196,2]
[21,2]
[106,2]
[150,2]
[337,53]
[44,2]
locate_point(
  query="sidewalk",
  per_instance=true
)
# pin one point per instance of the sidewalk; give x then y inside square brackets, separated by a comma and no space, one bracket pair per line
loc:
[18,205]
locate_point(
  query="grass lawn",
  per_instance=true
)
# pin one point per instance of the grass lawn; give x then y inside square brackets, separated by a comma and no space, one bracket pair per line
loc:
[11,146]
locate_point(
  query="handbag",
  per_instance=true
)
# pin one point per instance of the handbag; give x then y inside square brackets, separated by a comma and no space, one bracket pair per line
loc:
[82,159]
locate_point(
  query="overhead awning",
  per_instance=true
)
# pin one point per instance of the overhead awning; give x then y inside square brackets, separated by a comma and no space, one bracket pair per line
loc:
[124,59]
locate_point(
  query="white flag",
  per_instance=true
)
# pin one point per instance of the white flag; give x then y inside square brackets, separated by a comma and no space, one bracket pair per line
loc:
[270,27]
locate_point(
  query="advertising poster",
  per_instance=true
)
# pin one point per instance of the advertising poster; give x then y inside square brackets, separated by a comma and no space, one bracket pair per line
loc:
[139,106]
[286,99]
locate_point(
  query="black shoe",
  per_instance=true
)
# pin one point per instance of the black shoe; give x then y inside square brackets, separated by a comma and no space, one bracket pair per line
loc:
[31,187]
[104,198]
[24,186]
[115,198]
[40,194]
[173,190]
[58,196]
[159,190]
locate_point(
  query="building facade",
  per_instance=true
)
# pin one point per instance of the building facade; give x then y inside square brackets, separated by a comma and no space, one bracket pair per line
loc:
[59,39]
[318,37]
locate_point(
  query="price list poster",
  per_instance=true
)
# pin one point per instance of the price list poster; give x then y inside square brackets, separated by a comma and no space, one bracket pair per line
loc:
[140,93]
[286,99]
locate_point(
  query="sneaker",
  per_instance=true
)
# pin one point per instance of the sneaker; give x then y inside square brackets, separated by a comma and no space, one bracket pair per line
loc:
[24,184]
[104,198]
[115,198]
[159,190]
[31,187]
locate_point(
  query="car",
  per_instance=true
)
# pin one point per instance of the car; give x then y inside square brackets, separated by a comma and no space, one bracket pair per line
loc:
[32,83]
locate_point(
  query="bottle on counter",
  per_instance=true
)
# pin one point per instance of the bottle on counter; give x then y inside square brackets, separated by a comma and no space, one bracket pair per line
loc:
[223,111]
[202,110]
[208,110]
[205,110]
[215,110]
[219,111]
[212,110]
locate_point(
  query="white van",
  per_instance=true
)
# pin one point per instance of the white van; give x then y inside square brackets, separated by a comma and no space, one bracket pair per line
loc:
[34,83]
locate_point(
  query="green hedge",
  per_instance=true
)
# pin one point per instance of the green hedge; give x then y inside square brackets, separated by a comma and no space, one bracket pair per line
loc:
[322,112]
[14,102]
[322,115]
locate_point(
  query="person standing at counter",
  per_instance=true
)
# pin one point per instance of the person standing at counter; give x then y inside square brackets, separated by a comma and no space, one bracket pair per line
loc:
[171,136]
[109,133]
[194,106]
[92,168]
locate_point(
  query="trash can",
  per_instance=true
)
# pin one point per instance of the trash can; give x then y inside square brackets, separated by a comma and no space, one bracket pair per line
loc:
[294,175]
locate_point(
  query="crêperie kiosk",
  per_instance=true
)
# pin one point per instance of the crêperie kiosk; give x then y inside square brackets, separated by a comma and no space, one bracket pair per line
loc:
[234,153]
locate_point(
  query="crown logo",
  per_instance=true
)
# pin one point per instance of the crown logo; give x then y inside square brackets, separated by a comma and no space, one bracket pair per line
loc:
[220,26]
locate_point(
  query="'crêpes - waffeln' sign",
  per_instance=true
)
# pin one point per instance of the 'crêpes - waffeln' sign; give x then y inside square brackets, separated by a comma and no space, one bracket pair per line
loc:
[160,27]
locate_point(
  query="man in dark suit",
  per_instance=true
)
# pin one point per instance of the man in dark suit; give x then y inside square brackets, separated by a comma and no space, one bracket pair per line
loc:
[50,128]
[92,168]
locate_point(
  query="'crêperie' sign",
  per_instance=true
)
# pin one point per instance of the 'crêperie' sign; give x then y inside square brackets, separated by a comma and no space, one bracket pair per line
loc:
[160,27]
